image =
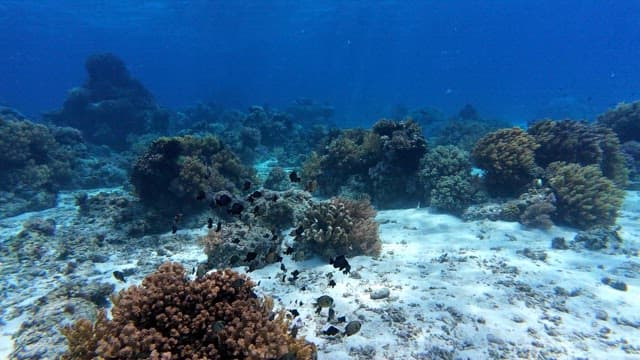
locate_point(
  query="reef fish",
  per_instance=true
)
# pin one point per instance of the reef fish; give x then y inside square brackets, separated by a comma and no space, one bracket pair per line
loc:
[324,301]
[293,176]
[352,327]
[119,275]
[341,263]
[331,330]
[250,256]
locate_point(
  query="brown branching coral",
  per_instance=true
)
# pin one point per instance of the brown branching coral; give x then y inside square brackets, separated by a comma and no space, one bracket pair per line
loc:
[340,227]
[581,143]
[508,157]
[169,317]
[585,198]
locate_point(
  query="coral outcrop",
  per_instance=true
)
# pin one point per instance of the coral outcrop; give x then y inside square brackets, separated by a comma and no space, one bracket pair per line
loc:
[624,119]
[339,226]
[182,173]
[580,143]
[446,175]
[111,105]
[585,198]
[217,316]
[508,157]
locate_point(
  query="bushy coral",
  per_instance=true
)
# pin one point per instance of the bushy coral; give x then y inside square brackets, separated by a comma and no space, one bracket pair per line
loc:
[446,175]
[174,171]
[508,158]
[581,143]
[111,105]
[585,198]
[217,316]
[624,119]
[340,226]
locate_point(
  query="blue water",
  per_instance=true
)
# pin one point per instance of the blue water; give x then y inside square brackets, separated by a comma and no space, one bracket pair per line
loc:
[515,60]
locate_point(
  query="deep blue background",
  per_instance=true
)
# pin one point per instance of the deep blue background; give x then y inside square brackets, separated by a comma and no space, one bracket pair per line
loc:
[513,59]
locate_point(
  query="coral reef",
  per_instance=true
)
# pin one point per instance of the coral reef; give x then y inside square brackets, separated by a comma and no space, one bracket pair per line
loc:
[585,198]
[339,226]
[217,316]
[34,165]
[111,105]
[175,171]
[631,153]
[382,163]
[581,143]
[624,119]
[508,157]
[446,176]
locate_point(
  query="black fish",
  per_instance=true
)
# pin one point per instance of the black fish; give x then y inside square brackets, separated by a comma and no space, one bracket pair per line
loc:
[246,185]
[119,275]
[219,226]
[341,263]
[293,176]
[201,195]
[299,230]
[342,319]
[223,200]
[174,229]
[289,250]
[209,223]
[295,274]
[282,267]
[332,283]
[256,194]
[236,209]
[294,312]
[284,277]
[332,315]
[250,256]
[332,330]
[252,267]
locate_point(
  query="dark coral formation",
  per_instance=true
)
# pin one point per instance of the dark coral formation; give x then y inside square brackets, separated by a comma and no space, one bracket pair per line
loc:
[446,175]
[217,316]
[585,198]
[34,165]
[382,163]
[339,227]
[182,173]
[111,105]
[580,143]
[624,119]
[508,157]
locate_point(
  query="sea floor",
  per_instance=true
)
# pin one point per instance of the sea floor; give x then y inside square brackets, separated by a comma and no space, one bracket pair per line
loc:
[456,290]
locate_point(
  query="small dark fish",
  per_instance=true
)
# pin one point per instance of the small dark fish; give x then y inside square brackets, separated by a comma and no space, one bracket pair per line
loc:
[237,283]
[352,327]
[332,283]
[274,198]
[341,263]
[223,200]
[342,319]
[274,237]
[218,326]
[246,185]
[201,195]
[250,199]
[250,256]
[219,226]
[119,275]
[331,331]
[252,267]
[236,240]
[266,236]
[294,312]
[282,267]
[209,223]
[236,209]
[293,176]
[295,274]
[174,229]
[256,194]
[322,302]
[332,314]
[299,230]
[289,250]
[284,277]
[303,288]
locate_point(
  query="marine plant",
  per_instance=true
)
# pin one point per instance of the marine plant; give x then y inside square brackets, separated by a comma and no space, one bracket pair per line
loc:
[217,316]
[585,198]
[173,171]
[581,143]
[624,120]
[340,226]
[508,158]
